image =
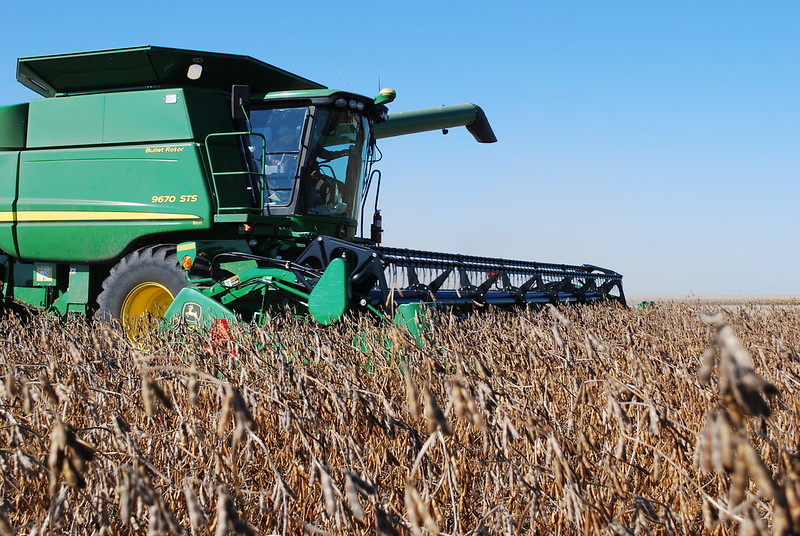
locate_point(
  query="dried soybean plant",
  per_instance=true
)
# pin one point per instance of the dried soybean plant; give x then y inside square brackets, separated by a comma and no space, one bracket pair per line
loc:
[571,420]
[749,492]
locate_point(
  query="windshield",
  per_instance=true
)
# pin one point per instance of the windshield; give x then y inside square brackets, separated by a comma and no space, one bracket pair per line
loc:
[332,158]
[334,179]
[282,129]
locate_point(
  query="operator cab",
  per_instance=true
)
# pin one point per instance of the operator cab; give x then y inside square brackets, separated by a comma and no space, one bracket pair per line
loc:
[315,153]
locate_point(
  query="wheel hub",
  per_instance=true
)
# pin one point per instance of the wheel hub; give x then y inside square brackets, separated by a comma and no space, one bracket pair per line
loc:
[144,305]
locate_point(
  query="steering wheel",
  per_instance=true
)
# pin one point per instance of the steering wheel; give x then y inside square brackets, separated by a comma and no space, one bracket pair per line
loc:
[327,168]
[323,187]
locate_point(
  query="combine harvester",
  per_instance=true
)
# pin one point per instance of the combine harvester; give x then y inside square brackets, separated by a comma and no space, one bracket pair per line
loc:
[178,184]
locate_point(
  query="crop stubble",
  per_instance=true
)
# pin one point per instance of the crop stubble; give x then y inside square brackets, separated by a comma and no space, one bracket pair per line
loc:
[592,420]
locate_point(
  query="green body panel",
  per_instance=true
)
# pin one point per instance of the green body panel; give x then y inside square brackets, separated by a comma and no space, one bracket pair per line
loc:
[9,163]
[151,116]
[330,298]
[145,116]
[33,283]
[196,309]
[129,117]
[75,299]
[13,125]
[66,122]
[88,205]
[209,112]
[35,296]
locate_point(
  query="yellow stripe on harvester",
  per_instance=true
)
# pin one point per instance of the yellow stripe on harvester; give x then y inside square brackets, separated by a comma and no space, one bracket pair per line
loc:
[81,215]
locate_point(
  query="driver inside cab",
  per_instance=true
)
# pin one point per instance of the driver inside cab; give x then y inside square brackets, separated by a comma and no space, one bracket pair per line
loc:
[329,177]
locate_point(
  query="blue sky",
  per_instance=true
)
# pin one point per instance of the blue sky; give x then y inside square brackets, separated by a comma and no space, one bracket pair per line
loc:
[659,139]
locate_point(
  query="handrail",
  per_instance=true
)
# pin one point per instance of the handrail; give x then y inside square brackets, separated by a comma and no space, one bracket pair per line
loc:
[261,176]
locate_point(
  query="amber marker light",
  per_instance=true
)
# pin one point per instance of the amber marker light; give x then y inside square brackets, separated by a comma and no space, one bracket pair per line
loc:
[247,228]
[186,262]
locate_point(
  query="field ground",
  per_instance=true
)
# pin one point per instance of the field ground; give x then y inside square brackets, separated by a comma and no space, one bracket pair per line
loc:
[672,419]
[719,300]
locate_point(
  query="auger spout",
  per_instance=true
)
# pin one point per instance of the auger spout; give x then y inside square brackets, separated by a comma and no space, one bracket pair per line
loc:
[454,115]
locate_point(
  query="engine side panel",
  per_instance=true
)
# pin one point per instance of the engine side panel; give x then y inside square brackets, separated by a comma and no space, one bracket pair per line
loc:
[9,161]
[88,204]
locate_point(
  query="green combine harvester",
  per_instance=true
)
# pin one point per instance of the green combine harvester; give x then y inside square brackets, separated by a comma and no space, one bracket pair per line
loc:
[155,182]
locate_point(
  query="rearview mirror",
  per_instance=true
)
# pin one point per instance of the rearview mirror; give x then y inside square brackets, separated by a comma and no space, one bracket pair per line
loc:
[240,102]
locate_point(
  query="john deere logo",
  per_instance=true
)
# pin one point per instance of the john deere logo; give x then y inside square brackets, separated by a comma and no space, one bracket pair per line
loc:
[192,312]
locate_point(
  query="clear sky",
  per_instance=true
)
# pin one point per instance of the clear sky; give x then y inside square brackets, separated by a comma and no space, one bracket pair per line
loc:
[659,139]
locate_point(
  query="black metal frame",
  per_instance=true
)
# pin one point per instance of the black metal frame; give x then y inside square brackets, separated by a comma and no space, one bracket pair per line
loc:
[463,279]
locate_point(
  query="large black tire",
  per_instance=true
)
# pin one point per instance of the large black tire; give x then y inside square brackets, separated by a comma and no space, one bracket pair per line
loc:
[140,288]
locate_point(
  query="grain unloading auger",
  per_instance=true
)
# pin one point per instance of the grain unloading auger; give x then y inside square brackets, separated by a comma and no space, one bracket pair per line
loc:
[146,161]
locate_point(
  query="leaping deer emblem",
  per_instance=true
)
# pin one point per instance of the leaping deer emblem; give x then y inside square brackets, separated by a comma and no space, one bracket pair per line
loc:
[192,312]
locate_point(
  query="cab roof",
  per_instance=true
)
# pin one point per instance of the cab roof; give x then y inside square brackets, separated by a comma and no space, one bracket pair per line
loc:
[150,67]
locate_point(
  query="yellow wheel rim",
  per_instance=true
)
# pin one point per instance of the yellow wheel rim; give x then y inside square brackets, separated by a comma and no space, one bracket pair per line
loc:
[143,307]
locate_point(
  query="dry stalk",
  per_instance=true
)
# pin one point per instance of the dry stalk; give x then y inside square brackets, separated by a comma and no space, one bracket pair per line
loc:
[567,420]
